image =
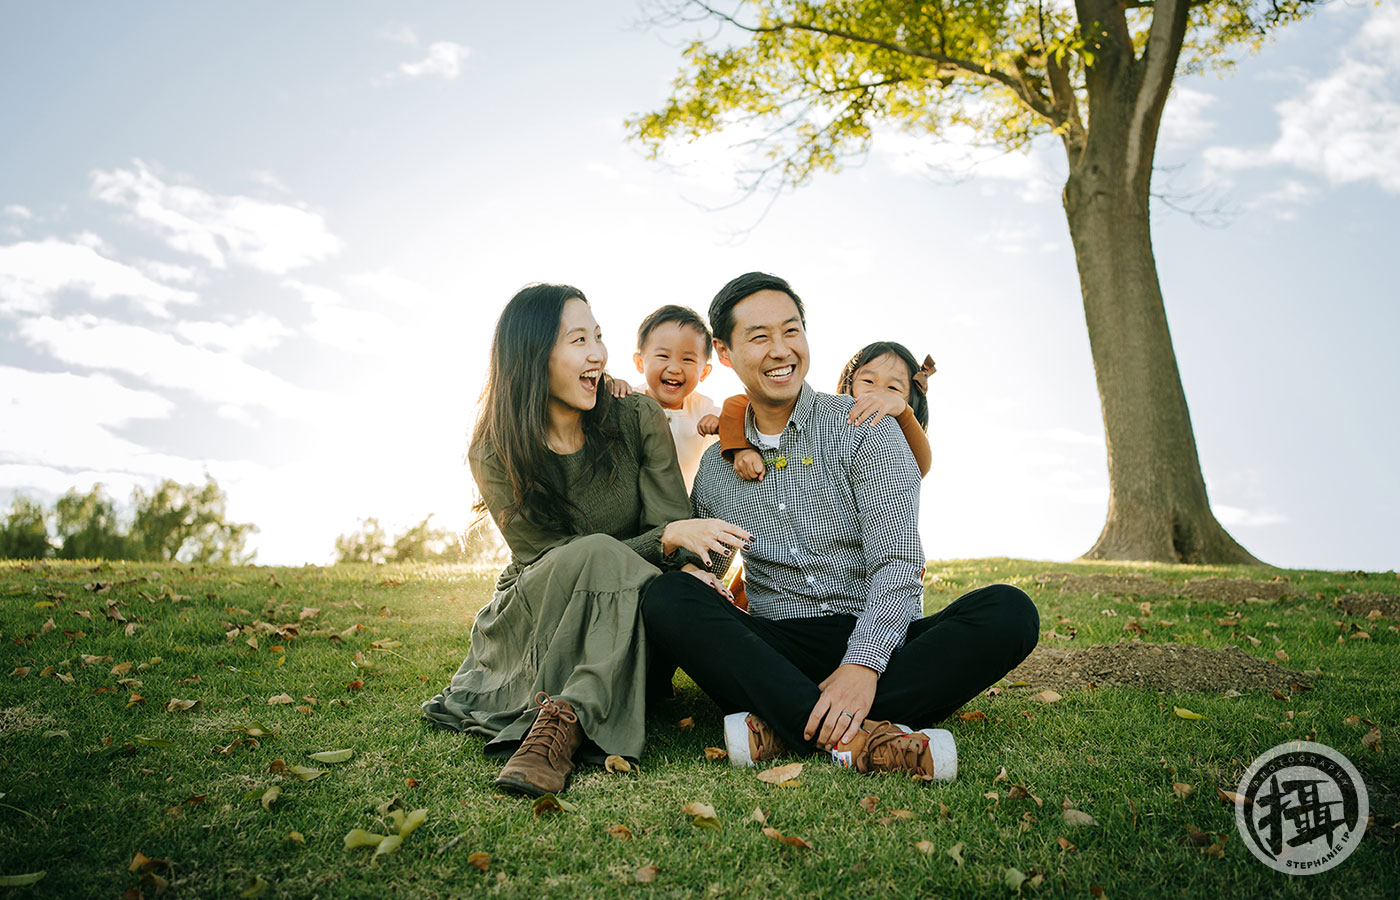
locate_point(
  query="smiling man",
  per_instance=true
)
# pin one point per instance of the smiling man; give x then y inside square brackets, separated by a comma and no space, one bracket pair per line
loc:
[835,647]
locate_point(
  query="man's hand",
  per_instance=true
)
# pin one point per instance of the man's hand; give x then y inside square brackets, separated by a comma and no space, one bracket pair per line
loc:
[850,689]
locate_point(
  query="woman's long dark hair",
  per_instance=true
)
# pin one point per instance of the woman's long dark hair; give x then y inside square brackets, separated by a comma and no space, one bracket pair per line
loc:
[871,352]
[514,412]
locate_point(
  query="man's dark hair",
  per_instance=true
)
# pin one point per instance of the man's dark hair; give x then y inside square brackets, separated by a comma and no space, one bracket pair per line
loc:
[722,307]
[681,315]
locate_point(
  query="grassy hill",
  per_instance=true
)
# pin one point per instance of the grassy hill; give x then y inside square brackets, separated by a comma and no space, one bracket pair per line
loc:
[99,764]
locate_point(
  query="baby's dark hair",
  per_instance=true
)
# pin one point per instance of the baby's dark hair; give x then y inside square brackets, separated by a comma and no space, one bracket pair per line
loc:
[871,352]
[681,315]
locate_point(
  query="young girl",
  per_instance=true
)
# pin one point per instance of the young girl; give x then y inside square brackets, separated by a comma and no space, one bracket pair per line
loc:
[884,379]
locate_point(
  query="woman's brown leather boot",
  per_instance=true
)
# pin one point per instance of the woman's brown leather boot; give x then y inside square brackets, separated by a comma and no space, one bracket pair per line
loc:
[545,759]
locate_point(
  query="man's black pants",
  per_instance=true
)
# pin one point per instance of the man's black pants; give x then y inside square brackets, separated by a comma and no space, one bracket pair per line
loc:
[771,667]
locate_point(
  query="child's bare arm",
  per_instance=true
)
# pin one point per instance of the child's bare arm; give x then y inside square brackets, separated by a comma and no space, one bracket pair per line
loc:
[748,464]
[708,424]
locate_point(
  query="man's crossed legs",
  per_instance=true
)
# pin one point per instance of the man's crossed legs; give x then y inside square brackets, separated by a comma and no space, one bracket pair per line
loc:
[770,668]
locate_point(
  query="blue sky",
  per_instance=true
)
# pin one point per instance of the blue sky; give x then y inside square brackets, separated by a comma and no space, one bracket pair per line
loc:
[269,242]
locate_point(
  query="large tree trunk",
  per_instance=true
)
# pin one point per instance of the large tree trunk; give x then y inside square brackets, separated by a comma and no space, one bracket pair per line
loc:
[1157,504]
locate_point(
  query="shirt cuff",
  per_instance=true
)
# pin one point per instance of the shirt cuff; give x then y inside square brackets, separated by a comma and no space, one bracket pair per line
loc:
[872,647]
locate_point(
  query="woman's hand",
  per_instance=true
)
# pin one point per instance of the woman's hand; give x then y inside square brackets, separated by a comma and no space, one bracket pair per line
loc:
[617,387]
[748,464]
[875,406]
[709,579]
[703,537]
[708,424]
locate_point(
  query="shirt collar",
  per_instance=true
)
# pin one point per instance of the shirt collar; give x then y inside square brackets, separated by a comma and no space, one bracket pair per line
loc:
[801,414]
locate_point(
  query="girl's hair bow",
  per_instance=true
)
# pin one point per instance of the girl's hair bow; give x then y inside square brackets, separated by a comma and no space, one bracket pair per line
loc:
[921,376]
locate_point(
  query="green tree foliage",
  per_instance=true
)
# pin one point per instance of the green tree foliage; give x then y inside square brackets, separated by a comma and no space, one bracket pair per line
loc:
[810,84]
[186,522]
[420,543]
[25,534]
[87,527]
[173,521]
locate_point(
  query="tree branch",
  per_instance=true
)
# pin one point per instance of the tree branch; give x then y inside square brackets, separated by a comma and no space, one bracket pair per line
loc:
[1158,64]
[1036,104]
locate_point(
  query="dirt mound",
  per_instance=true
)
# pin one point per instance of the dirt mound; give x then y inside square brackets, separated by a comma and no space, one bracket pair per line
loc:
[1161,667]
[1362,604]
[1238,590]
[1135,585]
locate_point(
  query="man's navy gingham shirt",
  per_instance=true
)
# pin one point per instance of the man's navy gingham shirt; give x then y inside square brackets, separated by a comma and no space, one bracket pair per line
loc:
[835,523]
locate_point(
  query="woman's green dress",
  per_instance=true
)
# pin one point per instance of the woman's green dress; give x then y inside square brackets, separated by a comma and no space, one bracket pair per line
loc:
[566,614]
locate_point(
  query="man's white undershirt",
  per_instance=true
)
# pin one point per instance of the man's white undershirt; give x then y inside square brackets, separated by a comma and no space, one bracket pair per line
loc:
[769,441]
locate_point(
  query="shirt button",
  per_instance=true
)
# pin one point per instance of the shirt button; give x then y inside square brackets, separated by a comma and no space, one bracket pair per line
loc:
[792,550]
[782,506]
[811,579]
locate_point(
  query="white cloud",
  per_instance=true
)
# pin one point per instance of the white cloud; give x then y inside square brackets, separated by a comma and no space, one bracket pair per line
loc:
[385,284]
[164,360]
[1184,118]
[338,324]
[15,211]
[444,60]
[34,273]
[272,237]
[258,332]
[59,421]
[1344,126]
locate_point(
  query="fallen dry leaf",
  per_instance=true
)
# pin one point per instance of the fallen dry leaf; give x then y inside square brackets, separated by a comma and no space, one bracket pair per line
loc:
[1096,892]
[702,815]
[1047,696]
[1231,797]
[279,699]
[1064,844]
[1181,790]
[309,611]
[780,774]
[686,724]
[1182,712]
[1001,776]
[870,804]
[479,860]
[759,816]
[645,875]
[296,837]
[943,811]
[955,852]
[715,754]
[791,840]
[1076,817]
[355,685]
[925,846]
[180,705]
[618,764]
[974,716]
[1371,740]
[621,832]
[1281,655]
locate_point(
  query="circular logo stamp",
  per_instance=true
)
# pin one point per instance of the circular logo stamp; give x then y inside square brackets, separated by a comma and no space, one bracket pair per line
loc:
[1303,808]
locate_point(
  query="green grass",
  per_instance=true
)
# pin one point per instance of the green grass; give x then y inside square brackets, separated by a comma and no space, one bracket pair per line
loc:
[82,796]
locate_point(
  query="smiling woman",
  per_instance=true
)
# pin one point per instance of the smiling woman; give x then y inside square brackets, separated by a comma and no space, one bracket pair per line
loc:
[587,493]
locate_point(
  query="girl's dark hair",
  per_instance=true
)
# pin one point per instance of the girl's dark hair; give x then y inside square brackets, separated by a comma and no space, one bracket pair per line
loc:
[514,412]
[746,285]
[918,401]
